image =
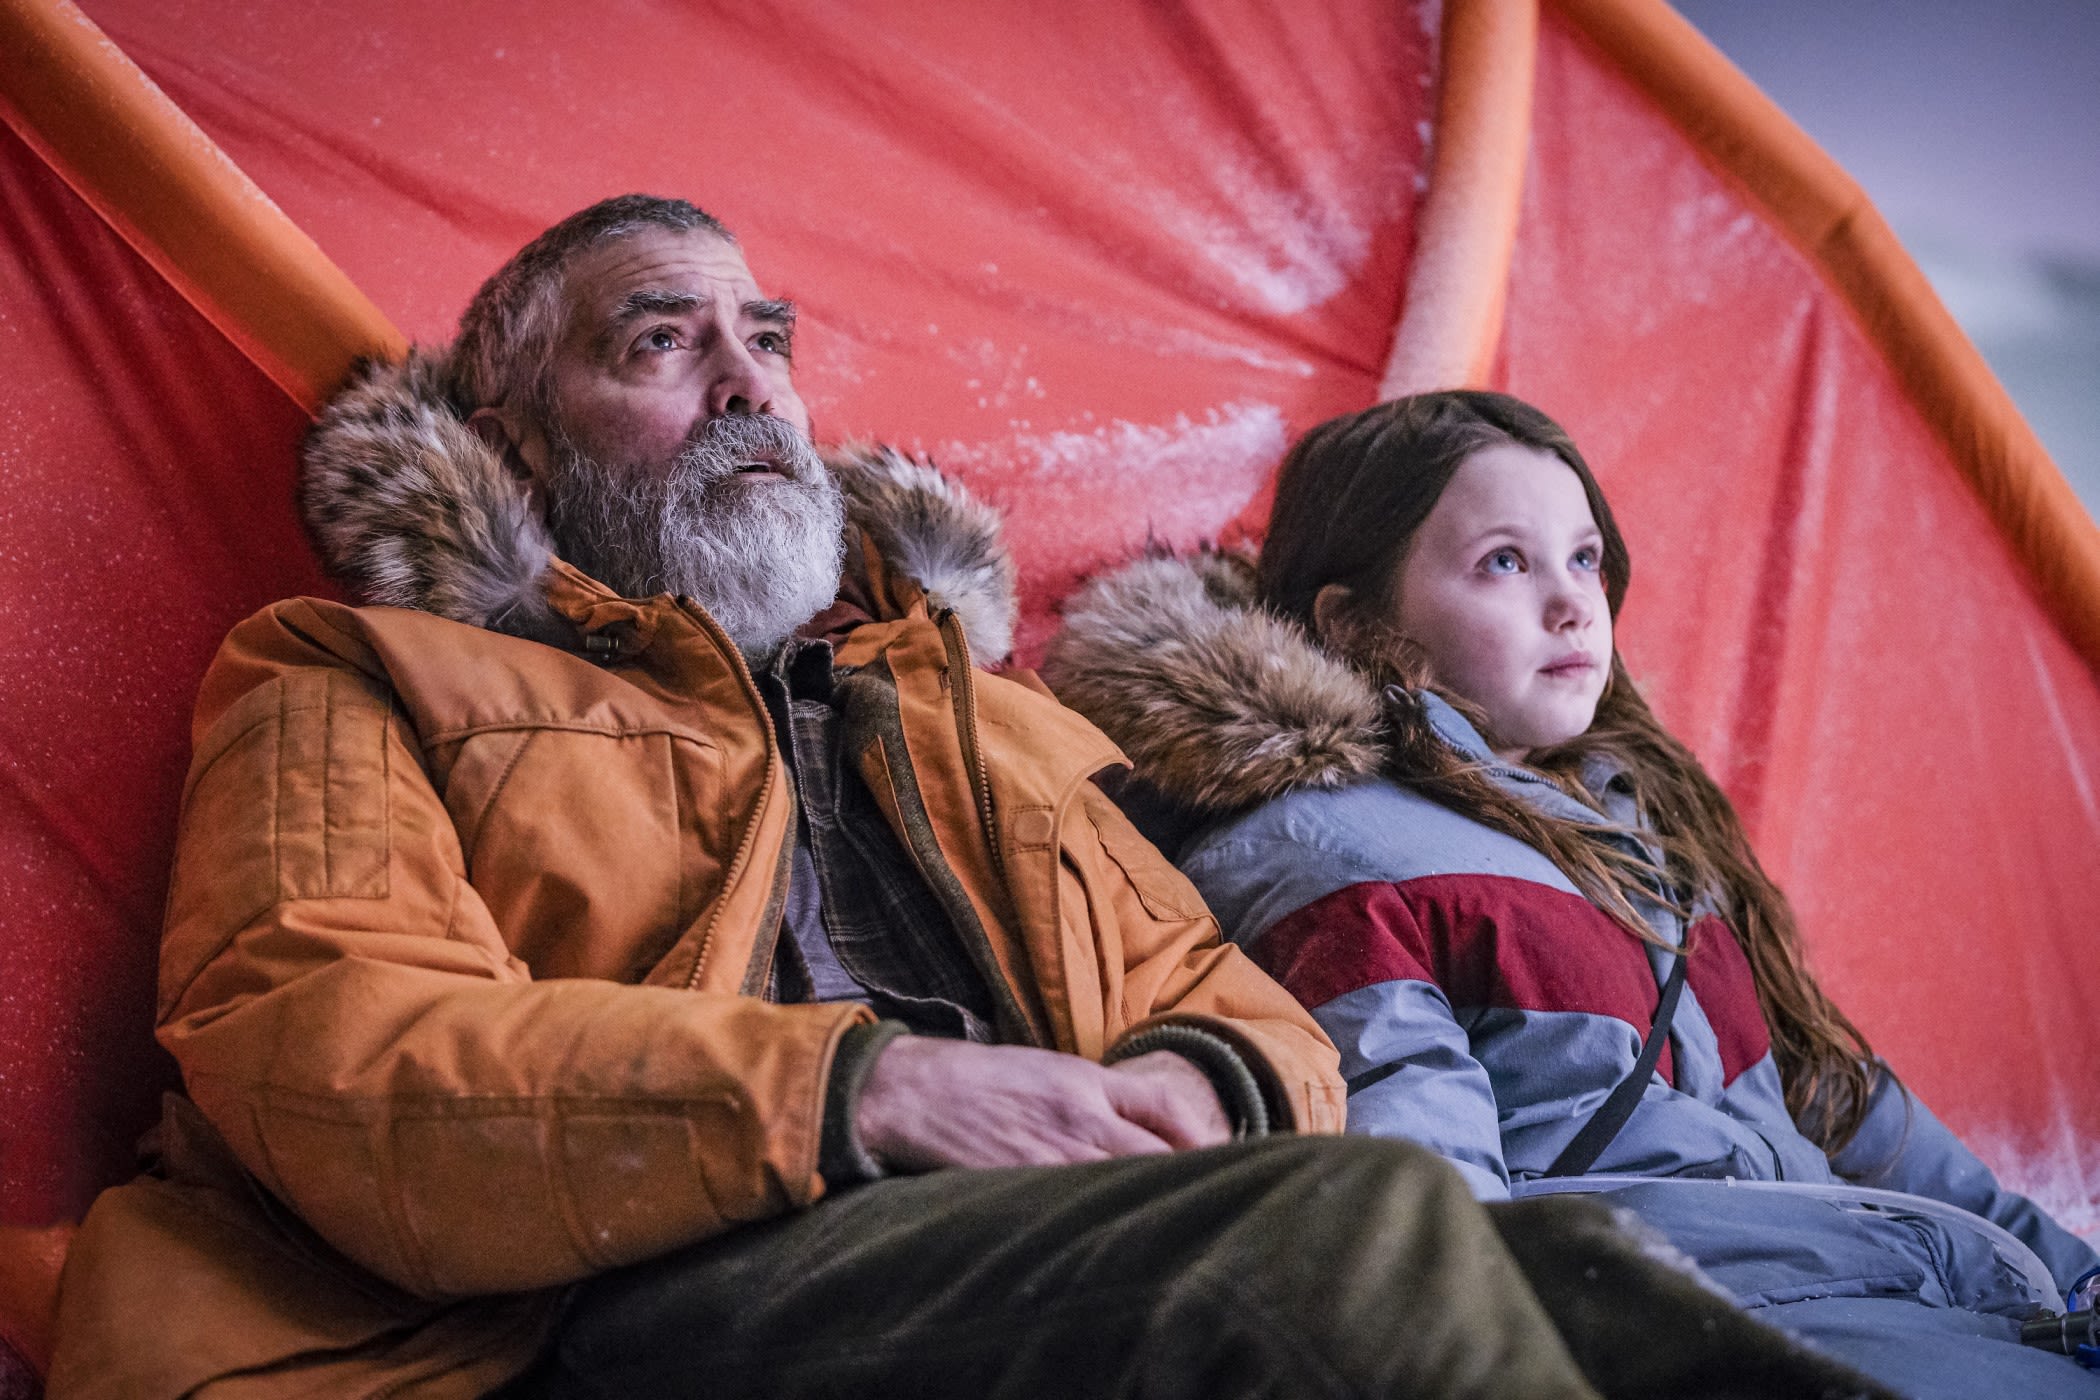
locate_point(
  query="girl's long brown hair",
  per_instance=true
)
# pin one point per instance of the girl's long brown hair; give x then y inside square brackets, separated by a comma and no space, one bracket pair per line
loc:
[1349,499]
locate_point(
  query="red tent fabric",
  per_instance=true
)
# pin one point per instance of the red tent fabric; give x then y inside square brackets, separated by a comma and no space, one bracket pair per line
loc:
[1822,609]
[144,507]
[1104,262]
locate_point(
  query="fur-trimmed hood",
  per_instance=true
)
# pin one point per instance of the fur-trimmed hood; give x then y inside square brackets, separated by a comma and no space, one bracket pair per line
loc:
[412,510]
[1219,703]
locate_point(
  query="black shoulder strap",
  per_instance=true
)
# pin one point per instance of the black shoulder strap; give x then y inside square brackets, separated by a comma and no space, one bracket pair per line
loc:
[1596,1135]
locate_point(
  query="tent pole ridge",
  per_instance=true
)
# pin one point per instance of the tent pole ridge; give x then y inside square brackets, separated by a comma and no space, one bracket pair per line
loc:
[168,190]
[1466,228]
[1828,217]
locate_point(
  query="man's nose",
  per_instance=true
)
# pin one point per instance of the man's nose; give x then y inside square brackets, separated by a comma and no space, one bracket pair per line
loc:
[736,384]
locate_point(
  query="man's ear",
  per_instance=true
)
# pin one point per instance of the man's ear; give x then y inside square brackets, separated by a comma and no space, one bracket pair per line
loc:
[503,433]
[1330,612]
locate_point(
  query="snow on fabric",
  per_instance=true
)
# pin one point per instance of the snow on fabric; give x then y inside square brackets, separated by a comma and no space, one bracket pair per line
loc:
[1104,261]
[144,508]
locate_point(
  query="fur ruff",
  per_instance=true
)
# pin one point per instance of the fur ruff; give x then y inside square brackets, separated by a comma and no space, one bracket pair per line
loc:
[1218,703]
[934,532]
[412,510]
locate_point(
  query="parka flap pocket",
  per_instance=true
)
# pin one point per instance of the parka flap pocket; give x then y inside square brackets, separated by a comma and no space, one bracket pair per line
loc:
[1164,891]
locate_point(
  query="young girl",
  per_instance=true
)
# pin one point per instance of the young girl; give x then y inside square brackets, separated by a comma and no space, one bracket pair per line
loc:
[1402,761]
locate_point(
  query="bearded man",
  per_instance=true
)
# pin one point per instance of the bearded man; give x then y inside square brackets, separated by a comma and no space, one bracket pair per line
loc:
[637,954]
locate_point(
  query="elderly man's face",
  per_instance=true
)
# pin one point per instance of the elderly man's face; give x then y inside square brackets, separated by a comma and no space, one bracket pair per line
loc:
[675,457]
[665,331]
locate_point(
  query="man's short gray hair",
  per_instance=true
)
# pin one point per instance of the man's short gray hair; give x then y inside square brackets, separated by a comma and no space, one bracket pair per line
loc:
[507,336]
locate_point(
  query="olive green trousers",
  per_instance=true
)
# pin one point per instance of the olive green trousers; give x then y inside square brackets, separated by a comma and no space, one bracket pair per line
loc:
[1286,1267]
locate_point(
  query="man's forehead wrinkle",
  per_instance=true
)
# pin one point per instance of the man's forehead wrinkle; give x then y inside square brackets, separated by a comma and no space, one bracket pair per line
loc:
[643,261]
[611,286]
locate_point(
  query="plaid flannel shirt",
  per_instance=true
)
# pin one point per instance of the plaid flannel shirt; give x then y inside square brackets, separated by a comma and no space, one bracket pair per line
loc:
[860,923]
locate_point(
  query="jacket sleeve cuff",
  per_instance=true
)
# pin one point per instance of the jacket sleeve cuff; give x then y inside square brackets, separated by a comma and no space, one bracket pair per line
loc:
[1220,1062]
[841,1159]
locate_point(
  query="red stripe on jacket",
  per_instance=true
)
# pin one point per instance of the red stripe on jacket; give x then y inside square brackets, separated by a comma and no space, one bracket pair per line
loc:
[1486,940]
[1719,975]
[1500,941]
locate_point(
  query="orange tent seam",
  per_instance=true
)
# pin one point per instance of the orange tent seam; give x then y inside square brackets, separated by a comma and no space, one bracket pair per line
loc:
[1466,230]
[104,127]
[1826,215]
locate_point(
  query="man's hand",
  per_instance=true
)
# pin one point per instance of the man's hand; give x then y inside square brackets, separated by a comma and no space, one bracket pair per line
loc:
[931,1103]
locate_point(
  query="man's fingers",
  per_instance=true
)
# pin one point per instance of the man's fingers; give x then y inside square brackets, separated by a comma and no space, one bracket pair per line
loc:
[1123,1138]
[930,1103]
[1175,1124]
[1168,1095]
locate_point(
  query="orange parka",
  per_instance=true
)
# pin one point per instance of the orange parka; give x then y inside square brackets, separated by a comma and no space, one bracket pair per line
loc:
[463,953]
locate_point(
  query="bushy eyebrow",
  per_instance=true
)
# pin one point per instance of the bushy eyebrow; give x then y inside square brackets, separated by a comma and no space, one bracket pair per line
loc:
[659,301]
[635,306]
[778,310]
[651,301]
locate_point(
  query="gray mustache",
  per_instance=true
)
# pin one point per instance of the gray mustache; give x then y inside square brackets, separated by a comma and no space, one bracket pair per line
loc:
[720,446]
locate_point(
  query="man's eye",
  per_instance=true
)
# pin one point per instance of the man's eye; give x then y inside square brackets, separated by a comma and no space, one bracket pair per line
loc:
[1503,561]
[662,338]
[774,343]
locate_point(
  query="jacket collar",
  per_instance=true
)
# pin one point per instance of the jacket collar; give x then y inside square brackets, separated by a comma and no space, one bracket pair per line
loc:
[413,510]
[1458,734]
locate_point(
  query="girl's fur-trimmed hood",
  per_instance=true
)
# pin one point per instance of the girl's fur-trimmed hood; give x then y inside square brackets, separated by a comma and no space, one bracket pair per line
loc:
[409,507]
[1218,703]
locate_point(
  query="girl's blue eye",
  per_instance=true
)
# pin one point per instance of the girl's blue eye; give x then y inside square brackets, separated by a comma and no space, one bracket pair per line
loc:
[1502,561]
[1589,557]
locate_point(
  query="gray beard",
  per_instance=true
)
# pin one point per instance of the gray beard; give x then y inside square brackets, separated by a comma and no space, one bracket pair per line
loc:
[761,557]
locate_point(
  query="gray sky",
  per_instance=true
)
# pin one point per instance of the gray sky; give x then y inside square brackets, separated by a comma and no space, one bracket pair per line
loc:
[1974,125]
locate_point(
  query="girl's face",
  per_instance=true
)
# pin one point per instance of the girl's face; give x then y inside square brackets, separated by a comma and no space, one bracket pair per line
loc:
[1502,587]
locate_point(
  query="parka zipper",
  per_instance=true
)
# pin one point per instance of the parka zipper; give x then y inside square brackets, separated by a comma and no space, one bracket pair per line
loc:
[744,846]
[773,917]
[967,923]
[964,693]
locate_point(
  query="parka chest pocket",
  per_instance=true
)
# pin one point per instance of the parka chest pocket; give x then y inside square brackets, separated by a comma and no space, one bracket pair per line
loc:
[591,847]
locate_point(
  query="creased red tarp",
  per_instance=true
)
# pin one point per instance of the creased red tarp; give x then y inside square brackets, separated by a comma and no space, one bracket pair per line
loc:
[1103,261]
